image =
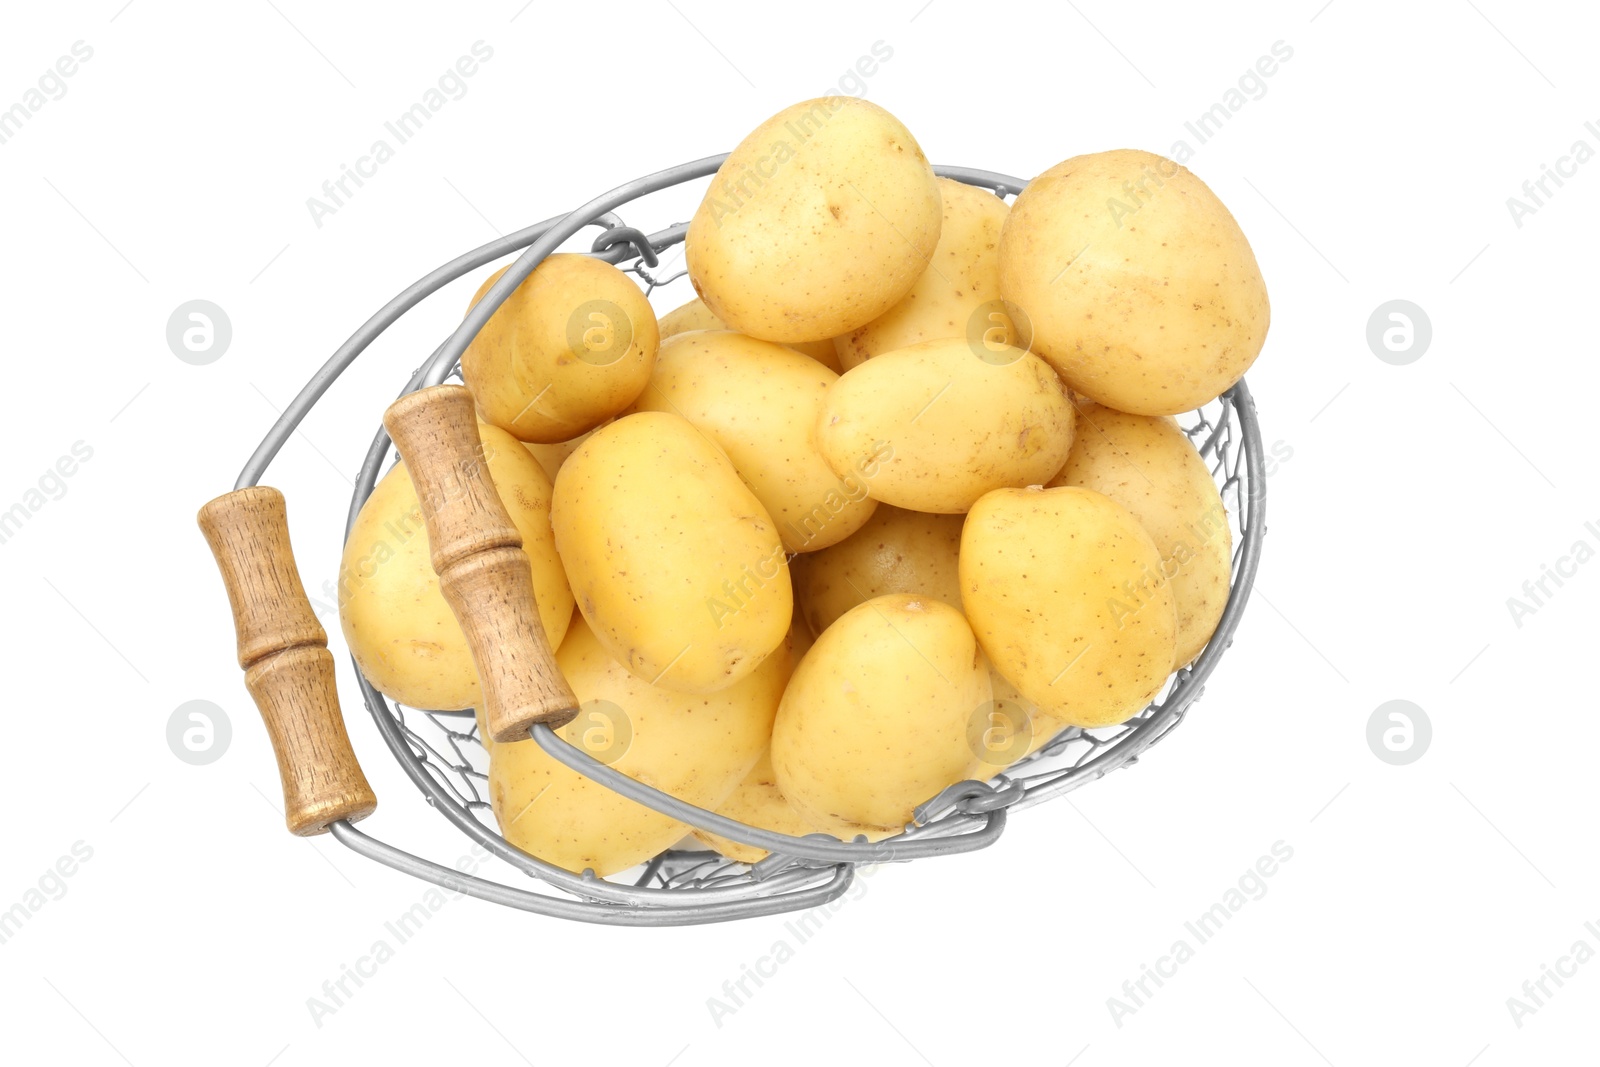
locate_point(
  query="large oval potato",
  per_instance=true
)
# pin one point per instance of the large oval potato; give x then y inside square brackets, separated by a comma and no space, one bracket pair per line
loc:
[760,402]
[696,316]
[958,295]
[399,626]
[819,221]
[570,348]
[877,716]
[673,561]
[1139,286]
[1148,465]
[696,747]
[897,551]
[1063,588]
[946,425]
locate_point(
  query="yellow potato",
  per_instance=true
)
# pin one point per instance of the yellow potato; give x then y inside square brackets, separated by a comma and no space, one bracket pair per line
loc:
[818,222]
[1062,587]
[1012,728]
[759,402]
[958,295]
[1139,286]
[399,627]
[897,551]
[696,747]
[877,716]
[673,561]
[696,316]
[552,456]
[1148,465]
[760,803]
[901,551]
[570,348]
[949,424]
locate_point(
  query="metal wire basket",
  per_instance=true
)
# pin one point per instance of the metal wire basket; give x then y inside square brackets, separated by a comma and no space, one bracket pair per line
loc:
[441,751]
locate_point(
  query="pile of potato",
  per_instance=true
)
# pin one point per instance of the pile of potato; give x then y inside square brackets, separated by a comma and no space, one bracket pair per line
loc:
[895,500]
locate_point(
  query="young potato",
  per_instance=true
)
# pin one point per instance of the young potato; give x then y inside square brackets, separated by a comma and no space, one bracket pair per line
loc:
[399,627]
[696,316]
[570,348]
[696,747]
[551,456]
[1139,287]
[818,222]
[897,551]
[877,716]
[1063,588]
[673,561]
[1148,465]
[758,802]
[1013,728]
[950,424]
[760,402]
[958,295]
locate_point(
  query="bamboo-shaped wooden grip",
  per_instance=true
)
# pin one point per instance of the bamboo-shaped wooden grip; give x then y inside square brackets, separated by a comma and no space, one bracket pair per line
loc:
[287,666]
[483,571]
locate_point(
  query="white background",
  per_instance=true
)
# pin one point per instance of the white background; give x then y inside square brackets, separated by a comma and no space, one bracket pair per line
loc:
[1417,500]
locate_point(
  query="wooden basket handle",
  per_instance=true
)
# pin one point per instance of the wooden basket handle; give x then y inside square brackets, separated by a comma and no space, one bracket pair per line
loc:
[287,666]
[483,571]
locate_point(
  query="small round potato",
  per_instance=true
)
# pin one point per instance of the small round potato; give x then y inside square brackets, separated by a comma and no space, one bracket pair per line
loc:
[946,422]
[673,561]
[570,348]
[878,715]
[696,747]
[817,223]
[1139,286]
[897,551]
[760,803]
[760,402]
[958,295]
[1148,465]
[1063,588]
[696,316]
[399,626]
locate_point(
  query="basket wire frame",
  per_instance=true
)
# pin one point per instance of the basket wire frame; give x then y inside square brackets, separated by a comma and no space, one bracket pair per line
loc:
[441,751]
